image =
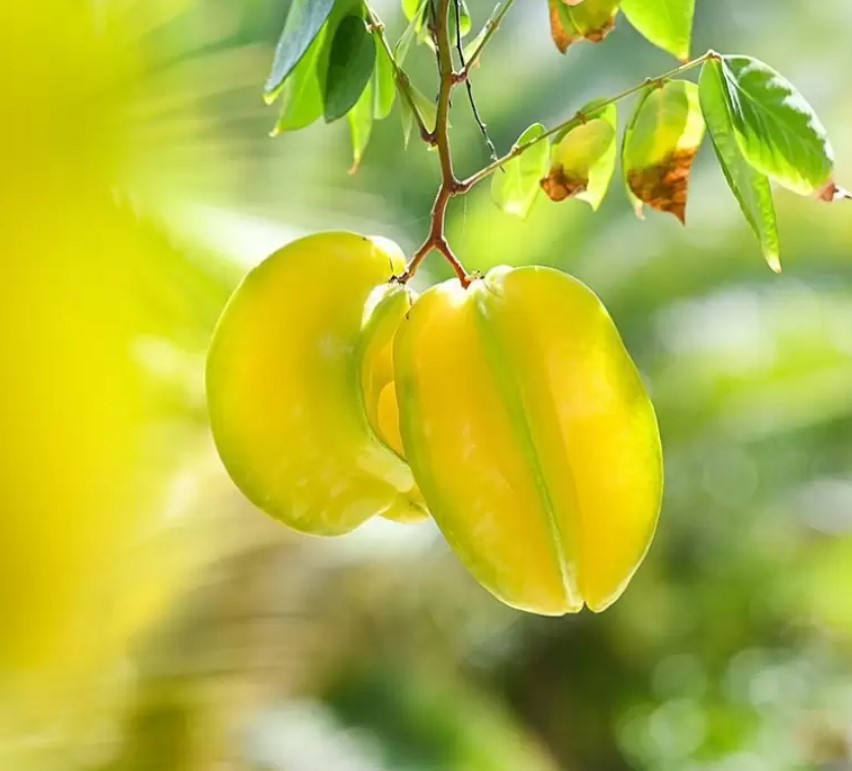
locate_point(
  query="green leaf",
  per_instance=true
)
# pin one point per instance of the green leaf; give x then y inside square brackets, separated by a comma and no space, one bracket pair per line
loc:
[660,146]
[416,11]
[628,133]
[590,20]
[777,130]
[583,161]
[426,108]
[360,119]
[465,21]
[516,184]
[473,45]
[407,115]
[384,85]
[301,93]
[403,45]
[350,67]
[304,21]
[751,187]
[665,23]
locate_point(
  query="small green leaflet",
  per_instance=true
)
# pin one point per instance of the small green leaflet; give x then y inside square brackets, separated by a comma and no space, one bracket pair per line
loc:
[426,109]
[751,187]
[777,131]
[350,67]
[516,184]
[416,11]
[665,23]
[384,85]
[583,161]
[304,21]
[375,103]
[465,21]
[301,92]
[403,45]
[360,119]
[660,145]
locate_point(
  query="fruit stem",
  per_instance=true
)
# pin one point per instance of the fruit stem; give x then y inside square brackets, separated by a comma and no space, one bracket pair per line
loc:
[450,185]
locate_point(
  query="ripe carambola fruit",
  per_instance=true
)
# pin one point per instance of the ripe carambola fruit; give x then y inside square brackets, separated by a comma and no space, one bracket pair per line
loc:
[297,385]
[531,437]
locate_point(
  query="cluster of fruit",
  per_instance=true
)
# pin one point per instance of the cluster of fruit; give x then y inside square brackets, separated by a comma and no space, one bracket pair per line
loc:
[508,410]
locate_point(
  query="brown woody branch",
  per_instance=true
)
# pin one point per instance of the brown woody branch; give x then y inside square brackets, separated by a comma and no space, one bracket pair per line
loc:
[440,138]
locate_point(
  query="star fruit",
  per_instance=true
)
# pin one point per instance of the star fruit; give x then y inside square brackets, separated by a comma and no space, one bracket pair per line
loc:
[298,390]
[531,437]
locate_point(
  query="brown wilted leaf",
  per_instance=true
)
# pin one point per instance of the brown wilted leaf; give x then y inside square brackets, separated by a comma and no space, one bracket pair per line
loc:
[559,186]
[664,186]
[567,28]
[598,34]
[559,27]
[831,192]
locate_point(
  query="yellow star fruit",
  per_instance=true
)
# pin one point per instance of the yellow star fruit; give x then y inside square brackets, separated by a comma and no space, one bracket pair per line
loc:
[299,384]
[531,437]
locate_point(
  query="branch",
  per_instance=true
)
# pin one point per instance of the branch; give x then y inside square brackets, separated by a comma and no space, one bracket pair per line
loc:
[377,28]
[492,25]
[578,119]
[492,150]
[450,186]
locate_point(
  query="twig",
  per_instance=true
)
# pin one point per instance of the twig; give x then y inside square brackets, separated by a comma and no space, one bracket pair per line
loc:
[492,25]
[451,186]
[469,85]
[436,240]
[578,119]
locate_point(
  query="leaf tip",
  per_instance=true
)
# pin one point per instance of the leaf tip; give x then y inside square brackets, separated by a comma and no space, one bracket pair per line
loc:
[272,90]
[831,192]
[774,261]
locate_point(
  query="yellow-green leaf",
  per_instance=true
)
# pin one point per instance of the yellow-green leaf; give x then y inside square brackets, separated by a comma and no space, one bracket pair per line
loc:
[750,187]
[665,23]
[777,130]
[384,81]
[516,184]
[583,161]
[360,119]
[301,93]
[660,146]
[590,20]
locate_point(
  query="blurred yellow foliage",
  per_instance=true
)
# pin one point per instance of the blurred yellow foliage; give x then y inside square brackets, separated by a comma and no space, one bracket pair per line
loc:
[87,555]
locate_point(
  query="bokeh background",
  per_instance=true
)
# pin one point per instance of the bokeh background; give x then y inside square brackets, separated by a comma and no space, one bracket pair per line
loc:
[152,620]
